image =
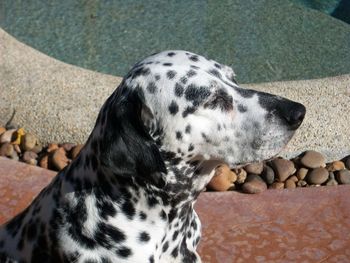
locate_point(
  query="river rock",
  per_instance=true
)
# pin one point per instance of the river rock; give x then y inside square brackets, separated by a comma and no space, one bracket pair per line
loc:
[7,150]
[30,157]
[343,176]
[283,168]
[29,141]
[313,159]
[317,176]
[223,179]
[7,136]
[268,174]
[331,181]
[289,184]
[254,168]
[254,184]
[335,166]
[59,159]
[277,185]
[301,173]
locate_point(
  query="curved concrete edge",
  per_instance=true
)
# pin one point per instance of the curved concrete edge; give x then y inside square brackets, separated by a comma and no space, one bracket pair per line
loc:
[59,102]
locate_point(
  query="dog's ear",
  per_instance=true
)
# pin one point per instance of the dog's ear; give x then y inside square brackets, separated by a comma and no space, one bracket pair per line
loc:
[127,147]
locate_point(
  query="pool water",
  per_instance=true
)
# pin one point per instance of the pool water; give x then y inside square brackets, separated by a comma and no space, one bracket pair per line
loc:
[263,40]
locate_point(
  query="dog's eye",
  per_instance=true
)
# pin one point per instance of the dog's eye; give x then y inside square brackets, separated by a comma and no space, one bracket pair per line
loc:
[220,99]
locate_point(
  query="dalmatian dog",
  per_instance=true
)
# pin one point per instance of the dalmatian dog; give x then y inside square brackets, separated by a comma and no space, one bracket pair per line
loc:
[128,197]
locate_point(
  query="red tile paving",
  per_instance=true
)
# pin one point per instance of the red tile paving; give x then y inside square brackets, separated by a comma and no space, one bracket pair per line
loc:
[299,225]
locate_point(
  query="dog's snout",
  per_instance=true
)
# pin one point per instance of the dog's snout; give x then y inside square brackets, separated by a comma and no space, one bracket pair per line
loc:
[292,113]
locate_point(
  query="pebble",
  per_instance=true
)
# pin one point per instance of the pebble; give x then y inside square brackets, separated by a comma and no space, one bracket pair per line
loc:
[223,178]
[301,183]
[347,162]
[289,184]
[254,168]
[254,184]
[283,168]
[30,157]
[37,148]
[313,159]
[268,174]
[335,166]
[7,150]
[7,136]
[59,159]
[331,181]
[277,185]
[44,162]
[29,141]
[2,130]
[302,172]
[68,146]
[317,176]
[52,147]
[76,150]
[241,175]
[343,176]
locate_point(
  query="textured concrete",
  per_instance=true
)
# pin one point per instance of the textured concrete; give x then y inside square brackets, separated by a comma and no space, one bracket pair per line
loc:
[299,225]
[60,102]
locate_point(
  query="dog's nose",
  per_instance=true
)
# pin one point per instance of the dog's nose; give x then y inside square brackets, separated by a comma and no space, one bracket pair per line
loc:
[293,114]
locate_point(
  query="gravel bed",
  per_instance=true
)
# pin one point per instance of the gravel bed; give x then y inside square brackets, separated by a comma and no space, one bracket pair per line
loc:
[309,169]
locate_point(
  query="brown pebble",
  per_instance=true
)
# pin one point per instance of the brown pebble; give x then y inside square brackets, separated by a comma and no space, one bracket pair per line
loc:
[7,136]
[283,168]
[44,161]
[289,184]
[28,142]
[241,175]
[293,178]
[68,146]
[223,178]
[37,148]
[75,151]
[2,130]
[59,159]
[301,173]
[7,150]
[254,185]
[301,183]
[30,157]
[331,181]
[335,166]
[313,159]
[277,185]
[254,168]
[268,174]
[317,176]
[52,147]
[343,176]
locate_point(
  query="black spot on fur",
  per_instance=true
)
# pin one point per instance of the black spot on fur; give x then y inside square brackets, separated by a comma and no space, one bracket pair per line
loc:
[191,73]
[179,90]
[171,54]
[128,209]
[144,237]
[143,216]
[151,87]
[194,67]
[173,108]
[162,214]
[188,129]
[124,252]
[216,73]
[151,259]
[245,93]
[183,80]
[194,58]
[141,71]
[220,99]
[176,233]
[178,135]
[171,74]
[175,252]
[167,64]
[188,110]
[165,246]
[241,108]
[217,65]
[197,94]
[190,147]
[157,77]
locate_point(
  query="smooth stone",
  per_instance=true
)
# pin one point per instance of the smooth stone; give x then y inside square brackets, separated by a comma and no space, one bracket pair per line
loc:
[277,185]
[268,174]
[254,168]
[44,161]
[68,146]
[317,176]
[331,181]
[301,173]
[241,175]
[59,159]
[254,184]
[301,183]
[293,178]
[283,168]
[289,184]
[7,150]
[223,178]
[52,147]
[2,130]
[76,150]
[313,159]
[30,157]
[335,166]
[7,136]
[343,176]
[29,141]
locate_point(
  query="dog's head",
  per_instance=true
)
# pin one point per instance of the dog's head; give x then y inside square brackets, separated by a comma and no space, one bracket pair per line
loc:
[192,109]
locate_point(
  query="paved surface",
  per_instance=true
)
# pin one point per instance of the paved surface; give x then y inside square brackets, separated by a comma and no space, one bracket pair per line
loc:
[299,225]
[60,102]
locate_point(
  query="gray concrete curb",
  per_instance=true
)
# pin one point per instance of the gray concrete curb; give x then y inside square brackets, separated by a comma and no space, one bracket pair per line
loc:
[59,102]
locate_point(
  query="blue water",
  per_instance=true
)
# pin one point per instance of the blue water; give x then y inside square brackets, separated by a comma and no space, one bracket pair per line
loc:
[263,40]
